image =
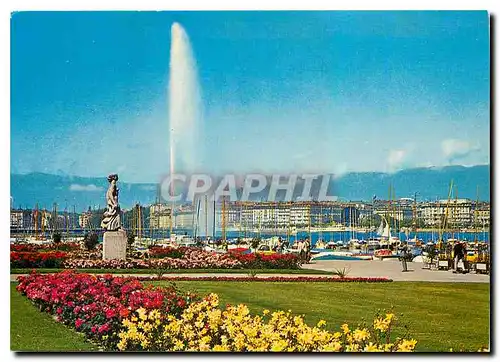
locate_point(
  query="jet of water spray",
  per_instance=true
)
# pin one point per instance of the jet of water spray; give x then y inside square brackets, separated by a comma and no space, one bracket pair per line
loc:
[185,108]
[184,100]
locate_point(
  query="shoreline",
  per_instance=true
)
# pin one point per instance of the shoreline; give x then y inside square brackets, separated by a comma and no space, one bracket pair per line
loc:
[356,230]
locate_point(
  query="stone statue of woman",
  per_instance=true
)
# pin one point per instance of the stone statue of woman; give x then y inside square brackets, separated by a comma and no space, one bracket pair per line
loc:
[111,220]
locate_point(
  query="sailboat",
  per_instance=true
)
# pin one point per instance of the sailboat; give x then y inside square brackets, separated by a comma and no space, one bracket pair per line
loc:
[385,233]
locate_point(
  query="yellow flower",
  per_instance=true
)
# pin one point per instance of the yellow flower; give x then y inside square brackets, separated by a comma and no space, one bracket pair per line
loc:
[142,313]
[407,345]
[122,345]
[352,347]
[388,347]
[279,346]
[361,335]
[321,323]
[144,344]
[381,324]
[332,347]
[238,330]
[345,328]
[370,347]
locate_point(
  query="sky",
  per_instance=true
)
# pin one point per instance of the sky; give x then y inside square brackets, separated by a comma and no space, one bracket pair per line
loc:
[288,92]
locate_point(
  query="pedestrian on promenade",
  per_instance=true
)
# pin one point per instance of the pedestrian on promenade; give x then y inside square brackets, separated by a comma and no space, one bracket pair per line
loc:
[459,254]
[404,255]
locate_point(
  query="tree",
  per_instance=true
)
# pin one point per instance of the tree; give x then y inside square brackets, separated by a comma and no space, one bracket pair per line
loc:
[255,242]
[56,237]
[90,240]
[130,239]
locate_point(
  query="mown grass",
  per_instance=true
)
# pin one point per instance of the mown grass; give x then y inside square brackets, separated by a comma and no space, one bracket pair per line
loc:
[34,331]
[176,271]
[439,315]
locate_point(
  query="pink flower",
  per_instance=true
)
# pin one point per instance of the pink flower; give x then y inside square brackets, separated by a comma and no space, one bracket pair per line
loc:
[78,323]
[110,313]
[104,328]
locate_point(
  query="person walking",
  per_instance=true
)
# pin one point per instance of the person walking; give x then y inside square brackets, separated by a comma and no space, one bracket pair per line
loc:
[404,256]
[459,254]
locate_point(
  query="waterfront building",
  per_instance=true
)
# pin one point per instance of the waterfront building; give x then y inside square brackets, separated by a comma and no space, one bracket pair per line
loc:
[483,214]
[183,219]
[458,212]
[16,219]
[84,219]
[160,216]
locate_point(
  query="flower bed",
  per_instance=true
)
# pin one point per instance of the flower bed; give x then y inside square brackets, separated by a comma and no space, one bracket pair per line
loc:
[166,252]
[44,259]
[190,258]
[268,279]
[272,261]
[96,306]
[203,326]
[26,247]
[121,314]
[190,261]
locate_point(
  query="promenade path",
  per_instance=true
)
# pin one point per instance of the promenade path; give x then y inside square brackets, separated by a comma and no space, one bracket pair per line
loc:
[391,269]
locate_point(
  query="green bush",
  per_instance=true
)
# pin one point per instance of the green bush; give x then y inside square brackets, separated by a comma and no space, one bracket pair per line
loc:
[90,240]
[56,237]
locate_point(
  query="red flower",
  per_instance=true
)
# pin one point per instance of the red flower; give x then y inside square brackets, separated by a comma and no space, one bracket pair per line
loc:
[103,328]
[110,313]
[78,323]
[124,312]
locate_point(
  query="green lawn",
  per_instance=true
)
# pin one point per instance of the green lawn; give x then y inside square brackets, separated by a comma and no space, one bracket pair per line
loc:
[440,315]
[177,271]
[33,331]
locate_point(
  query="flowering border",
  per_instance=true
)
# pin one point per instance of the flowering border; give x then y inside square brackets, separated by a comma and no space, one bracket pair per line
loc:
[123,314]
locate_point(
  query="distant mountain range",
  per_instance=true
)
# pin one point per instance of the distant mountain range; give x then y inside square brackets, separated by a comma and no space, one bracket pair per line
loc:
[430,183]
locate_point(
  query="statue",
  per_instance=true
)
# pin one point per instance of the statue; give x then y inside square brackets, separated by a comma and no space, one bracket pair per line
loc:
[111,220]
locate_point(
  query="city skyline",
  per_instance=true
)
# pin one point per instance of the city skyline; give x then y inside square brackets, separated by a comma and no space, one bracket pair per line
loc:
[326,92]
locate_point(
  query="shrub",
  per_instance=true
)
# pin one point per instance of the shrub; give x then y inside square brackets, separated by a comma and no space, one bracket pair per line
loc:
[56,238]
[255,242]
[90,240]
[130,239]
[341,273]
[167,252]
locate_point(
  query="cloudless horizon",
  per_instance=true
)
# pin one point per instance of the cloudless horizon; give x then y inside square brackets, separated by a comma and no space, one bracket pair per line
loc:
[289,92]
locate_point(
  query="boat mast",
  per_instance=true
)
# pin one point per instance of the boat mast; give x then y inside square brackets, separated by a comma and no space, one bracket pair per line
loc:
[415,219]
[213,226]
[206,216]
[309,222]
[475,214]
[456,215]
[445,218]
[66,219]
[223,219]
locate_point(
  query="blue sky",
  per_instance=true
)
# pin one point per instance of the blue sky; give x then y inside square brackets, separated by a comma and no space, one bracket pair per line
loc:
[287,92]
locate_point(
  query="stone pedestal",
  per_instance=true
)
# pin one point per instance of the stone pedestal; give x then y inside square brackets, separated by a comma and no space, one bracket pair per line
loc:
[114,245]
